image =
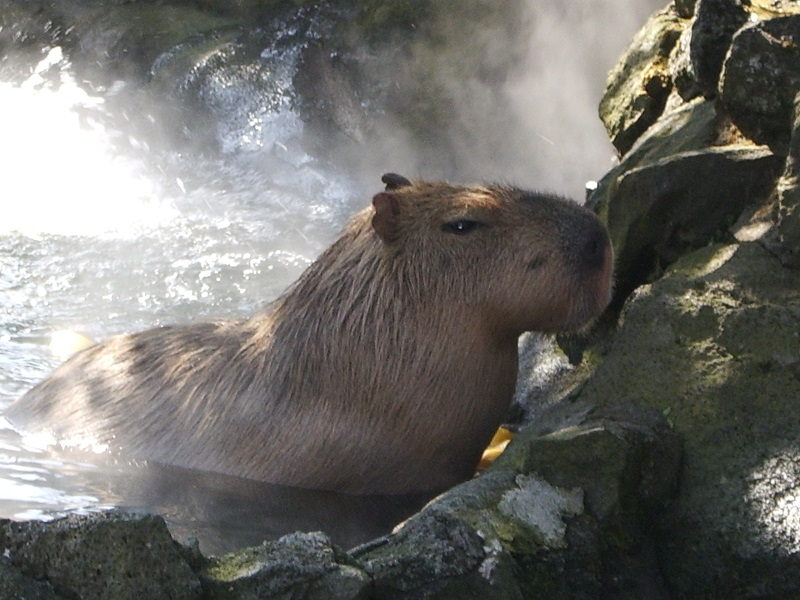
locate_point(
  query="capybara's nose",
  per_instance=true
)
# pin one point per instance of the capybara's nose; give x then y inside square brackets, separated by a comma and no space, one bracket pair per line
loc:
[594,249]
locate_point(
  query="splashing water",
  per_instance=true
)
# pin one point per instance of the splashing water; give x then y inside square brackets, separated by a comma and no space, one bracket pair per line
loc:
[98,241]
[59,175]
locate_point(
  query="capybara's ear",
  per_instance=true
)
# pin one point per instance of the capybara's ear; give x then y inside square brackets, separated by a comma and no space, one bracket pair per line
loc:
[384,221]
[394,181]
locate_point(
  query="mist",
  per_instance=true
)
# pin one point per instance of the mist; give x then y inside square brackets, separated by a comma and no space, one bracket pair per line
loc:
[524,110]
[505,93]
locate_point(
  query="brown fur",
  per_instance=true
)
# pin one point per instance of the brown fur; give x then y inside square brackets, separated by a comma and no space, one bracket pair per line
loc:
[385,368]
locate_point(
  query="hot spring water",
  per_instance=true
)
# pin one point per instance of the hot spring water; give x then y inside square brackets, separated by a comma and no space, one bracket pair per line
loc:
[102,234]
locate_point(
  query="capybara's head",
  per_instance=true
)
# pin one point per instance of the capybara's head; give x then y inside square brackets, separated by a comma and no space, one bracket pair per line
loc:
[526,261]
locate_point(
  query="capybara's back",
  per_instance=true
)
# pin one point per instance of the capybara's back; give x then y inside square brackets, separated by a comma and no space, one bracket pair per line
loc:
[385,368]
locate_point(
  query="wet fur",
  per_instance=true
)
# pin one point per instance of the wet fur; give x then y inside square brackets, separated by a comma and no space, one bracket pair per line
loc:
[385,368]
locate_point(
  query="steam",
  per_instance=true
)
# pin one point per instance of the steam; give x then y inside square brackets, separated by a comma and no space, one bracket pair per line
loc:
[538,127]
[572,46]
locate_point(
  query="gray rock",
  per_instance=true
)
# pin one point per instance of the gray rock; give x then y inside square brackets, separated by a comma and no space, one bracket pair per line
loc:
[657,211]
[433,554]
[13,585]
[770,9]
[782,218]
[638,86]
[707,42]
[595,454]
[298,565]
[681,69]
[685,8]
[714,345]
[784,240]
[107,555]
[760,79]
[683,128]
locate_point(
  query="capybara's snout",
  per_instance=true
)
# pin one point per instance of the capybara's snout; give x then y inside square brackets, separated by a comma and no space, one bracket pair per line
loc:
[582,280]
[595,262]
[584,239]
[595,247]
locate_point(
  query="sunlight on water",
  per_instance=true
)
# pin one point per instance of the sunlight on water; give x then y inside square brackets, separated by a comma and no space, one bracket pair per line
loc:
[59,175]
[65,342]
[29,479]
[19,491]
[91,245]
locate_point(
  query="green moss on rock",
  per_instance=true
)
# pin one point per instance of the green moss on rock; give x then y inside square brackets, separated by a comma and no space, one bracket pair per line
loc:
[715,342]
[303,565]
[105,555]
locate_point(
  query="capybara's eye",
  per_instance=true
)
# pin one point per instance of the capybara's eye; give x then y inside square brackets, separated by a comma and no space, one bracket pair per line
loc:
[461,226]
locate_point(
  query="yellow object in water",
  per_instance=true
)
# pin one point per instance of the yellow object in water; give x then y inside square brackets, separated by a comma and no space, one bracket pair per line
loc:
[64,343]
[499,442]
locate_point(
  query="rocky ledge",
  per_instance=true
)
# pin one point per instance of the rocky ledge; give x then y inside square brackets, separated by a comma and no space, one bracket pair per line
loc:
[566,512]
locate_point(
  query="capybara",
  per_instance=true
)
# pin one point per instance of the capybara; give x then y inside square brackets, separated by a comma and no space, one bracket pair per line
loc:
[384,369]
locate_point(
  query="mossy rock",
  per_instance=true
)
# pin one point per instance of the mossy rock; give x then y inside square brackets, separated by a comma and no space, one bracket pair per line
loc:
[107,555]
[714,344]
[639,85]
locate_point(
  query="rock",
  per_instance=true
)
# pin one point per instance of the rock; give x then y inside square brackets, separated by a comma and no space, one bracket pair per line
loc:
[13,584]
[298,565]
[328,95]
[684,8]
[785,237]
[107,555]
[760,79]
[657,211]
[686,127]
[543,520]
[601,450]
[638,86]
[433,554]
[681,69]
[26,30]
[704,45]
[659,202]
[124,42]
[769,9]
[715,346]
[778,225]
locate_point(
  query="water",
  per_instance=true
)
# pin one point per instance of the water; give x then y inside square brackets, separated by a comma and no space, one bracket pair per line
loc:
[105,227]
[97,242]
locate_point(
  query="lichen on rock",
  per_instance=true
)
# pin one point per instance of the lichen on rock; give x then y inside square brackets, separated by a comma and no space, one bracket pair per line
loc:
[541,507]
